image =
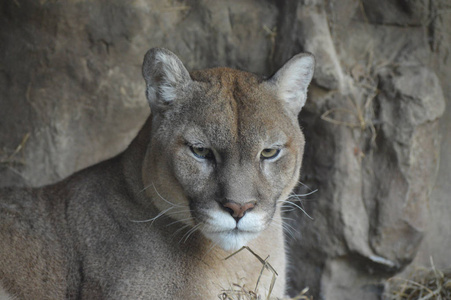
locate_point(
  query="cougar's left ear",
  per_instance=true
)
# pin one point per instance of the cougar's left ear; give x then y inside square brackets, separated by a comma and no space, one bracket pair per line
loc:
[166,78]
[292,80]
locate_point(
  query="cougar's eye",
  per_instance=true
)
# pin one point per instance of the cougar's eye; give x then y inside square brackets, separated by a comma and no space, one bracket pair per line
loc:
[269,153]
[201,152]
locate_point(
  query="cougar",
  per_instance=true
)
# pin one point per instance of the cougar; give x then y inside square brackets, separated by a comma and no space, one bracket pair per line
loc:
[207,174]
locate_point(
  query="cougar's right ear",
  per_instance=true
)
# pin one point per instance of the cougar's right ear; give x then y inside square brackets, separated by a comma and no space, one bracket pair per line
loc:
[166,78]
[292,80]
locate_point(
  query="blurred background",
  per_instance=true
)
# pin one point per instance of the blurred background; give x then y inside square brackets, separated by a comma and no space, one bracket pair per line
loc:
[377,129]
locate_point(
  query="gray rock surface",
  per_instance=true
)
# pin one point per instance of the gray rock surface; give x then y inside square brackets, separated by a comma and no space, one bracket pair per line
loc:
[72,95]
[71,72]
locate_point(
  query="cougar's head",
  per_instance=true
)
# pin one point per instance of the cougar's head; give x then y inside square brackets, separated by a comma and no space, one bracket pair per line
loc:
[226,147]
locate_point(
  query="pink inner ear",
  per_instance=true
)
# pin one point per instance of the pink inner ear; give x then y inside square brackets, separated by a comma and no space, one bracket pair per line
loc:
[165,75]
[293,80]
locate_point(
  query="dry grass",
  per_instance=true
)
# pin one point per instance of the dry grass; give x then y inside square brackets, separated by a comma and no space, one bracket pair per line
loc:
[8,159]
[271,35]
[421,284]
[362,92]
[357,112]
[240,292]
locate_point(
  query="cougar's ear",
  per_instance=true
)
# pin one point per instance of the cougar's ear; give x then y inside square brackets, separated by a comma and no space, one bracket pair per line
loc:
[292,80]
[166,78]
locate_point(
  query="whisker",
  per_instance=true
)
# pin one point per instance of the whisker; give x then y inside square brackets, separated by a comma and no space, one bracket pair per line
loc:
[303,195]
[285,227]
[180,212]
[304,185]
[287,210]
[290,219]
[287,207]
[289,226]
[288,232]
[294,204]
[180,229]
[180,221]
[189,233]
[214,244]
[145,188]
[159,195]
[167,201]
[154,218]
[187,237]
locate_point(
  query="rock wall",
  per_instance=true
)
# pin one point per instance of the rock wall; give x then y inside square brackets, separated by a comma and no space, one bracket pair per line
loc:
[71,72]
[72,95]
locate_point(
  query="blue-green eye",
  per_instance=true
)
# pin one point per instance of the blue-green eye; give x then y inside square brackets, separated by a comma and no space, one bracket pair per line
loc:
[269,153]
[201,152]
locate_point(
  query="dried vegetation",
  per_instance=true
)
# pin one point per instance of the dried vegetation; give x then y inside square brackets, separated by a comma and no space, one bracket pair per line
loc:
[421,284]
[240,292]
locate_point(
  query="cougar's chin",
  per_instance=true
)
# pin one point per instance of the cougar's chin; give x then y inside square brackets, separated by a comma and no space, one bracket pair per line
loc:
[227,233]
[231,240]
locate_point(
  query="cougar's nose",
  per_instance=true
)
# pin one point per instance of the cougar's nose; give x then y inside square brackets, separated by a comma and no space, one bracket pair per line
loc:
[237,210]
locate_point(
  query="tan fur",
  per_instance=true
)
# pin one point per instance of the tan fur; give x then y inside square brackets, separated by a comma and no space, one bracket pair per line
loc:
[95,235]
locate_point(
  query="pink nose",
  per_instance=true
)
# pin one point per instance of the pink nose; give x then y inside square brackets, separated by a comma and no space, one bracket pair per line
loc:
[238,210]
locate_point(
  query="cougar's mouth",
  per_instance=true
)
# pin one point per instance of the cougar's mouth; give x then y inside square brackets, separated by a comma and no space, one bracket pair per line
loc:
[230,234]
[232,239]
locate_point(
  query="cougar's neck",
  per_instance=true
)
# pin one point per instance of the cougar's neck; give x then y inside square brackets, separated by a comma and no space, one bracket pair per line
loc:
[133,158]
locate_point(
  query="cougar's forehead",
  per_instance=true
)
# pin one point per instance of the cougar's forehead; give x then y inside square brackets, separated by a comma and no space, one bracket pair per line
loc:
[233,106]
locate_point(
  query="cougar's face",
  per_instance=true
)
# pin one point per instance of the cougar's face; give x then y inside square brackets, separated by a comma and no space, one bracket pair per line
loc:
[228,156]
[226,147]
